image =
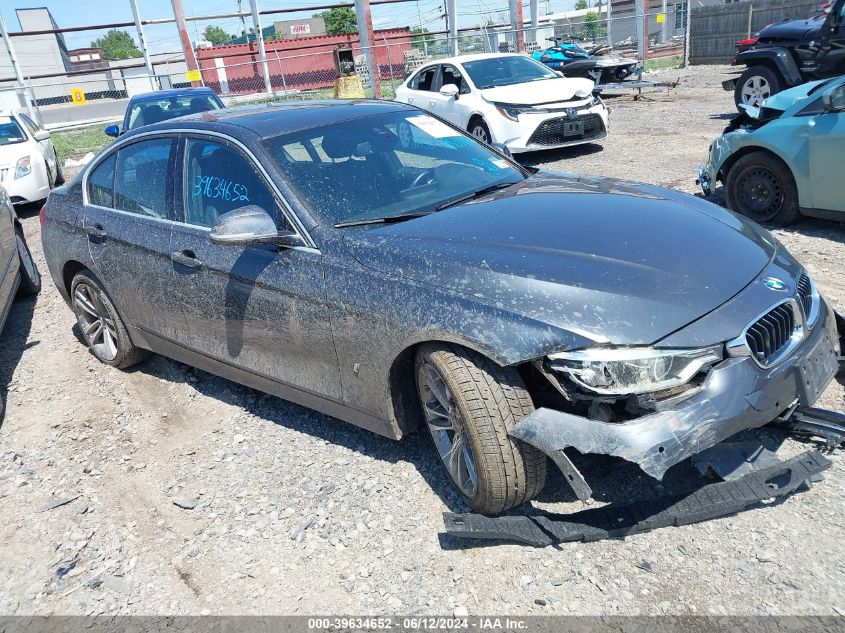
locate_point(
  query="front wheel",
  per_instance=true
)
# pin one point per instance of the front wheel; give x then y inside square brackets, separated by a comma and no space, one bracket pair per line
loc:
[478,128]
[755,85]
[761,187]
[469,404]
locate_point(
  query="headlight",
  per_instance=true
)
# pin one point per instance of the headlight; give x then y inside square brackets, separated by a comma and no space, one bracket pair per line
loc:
[633,370]
[23,167]
[509,111]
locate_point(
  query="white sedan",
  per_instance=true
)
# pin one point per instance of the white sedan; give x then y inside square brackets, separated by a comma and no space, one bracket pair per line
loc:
[29,166]
[509,99]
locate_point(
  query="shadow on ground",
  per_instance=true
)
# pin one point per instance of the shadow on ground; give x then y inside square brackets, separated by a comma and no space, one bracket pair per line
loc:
[14,341]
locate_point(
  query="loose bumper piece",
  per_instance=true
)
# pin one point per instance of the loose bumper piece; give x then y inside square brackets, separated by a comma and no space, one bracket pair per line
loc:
[709,502]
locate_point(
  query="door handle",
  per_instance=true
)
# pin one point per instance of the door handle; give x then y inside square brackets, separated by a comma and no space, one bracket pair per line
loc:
[186,258]
[96,230]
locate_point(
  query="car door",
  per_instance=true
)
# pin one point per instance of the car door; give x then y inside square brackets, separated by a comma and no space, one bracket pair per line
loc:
[41,138]
[827,151]
[128,217]
[832,53]
[419,89]
[259,308]
[453,109]
[8,253]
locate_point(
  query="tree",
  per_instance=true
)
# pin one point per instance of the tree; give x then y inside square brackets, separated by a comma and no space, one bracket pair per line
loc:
[420,37]
[117,45]
[216,35]
[339,20]
[592,28]
[580,4]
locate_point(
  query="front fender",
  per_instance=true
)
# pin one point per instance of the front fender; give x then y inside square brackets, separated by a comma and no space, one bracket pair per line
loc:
[780,57]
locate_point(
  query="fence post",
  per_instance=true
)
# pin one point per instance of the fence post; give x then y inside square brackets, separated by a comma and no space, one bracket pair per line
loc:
[687,33]
[640,24]
[750,15]
[143,40]
[18,72]
[282,73]
[452,16]
[259,39]
[610,23]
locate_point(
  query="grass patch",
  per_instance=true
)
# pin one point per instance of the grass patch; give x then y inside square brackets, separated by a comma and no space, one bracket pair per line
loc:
[664,62]
[77,143]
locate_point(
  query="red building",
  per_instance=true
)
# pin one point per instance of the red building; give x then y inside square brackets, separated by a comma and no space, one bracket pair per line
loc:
[304,63]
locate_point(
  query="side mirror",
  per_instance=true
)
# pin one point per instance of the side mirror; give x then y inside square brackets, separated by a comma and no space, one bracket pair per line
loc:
[834,101]
[112,130]
[251,225]
[41,135]
[449,90]
[502,149]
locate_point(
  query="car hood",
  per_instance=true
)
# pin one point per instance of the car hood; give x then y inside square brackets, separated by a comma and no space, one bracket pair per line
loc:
[610,260]
[537,92]
[790,30]
[782,101]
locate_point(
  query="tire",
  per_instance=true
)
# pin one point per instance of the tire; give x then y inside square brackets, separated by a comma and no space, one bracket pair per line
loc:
[761,187]
[60,177]
[478,128]
[110,342]
[755,84]
[30,277]
[484,402]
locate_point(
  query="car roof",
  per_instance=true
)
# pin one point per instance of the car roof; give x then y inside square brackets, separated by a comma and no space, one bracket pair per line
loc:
[277,117]
[175,92]
[461,59]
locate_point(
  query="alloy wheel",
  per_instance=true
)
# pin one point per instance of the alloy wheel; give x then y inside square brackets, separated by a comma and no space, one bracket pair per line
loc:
[447,430]
[26,259]
[95,322]
[480,133]
[755,90]
[761,194]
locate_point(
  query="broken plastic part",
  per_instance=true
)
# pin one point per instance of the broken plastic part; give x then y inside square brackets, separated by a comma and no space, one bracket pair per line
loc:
[709,502]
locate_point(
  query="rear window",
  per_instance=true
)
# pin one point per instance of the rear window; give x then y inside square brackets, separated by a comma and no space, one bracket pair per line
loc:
[158,110]
[10,131]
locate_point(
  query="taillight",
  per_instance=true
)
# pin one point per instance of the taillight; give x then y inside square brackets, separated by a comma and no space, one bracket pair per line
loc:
[748,42]
[42,215]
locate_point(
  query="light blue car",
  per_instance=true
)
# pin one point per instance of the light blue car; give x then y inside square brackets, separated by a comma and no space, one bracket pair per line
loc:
[784,159]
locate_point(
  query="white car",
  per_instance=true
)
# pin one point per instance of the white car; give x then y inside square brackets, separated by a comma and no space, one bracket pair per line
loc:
[509,99]
[29,166]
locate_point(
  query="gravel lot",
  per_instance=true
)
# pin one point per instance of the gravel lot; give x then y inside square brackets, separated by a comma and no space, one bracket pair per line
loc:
[193,495]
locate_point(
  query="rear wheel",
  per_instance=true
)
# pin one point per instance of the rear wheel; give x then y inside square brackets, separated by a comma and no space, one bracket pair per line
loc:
[756,84]
[469,404]
[102,328]
[478,128]
[30,277]
[761,187]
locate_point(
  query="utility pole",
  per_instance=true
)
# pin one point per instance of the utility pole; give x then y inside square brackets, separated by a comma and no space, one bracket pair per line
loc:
[452,20]
[18,72]
[143,40]
[422,31]
[515,7]
[190,57]
[259,38]
[367,39]
[534,8]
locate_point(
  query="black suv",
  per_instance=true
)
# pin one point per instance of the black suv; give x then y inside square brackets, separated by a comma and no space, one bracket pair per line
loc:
[789,53]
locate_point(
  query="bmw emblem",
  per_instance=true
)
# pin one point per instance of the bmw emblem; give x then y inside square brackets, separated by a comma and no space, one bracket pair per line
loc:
[773,283]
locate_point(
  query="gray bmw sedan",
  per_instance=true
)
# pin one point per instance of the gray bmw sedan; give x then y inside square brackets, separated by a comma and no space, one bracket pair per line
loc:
[373,262]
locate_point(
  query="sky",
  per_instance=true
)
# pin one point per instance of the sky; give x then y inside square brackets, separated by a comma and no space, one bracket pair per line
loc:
[164,38]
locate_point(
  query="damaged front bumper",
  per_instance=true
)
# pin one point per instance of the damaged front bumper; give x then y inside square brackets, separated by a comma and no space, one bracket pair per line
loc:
[737,394]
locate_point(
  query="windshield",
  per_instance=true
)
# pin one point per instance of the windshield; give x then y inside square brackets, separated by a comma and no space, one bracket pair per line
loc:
[390,164]
[10,131]
[157,110]
[506,71]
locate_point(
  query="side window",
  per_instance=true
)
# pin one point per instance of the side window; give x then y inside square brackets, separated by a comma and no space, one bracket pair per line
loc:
[424,79]
[219,179]
[101,183]
[142,179]
[452,76]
